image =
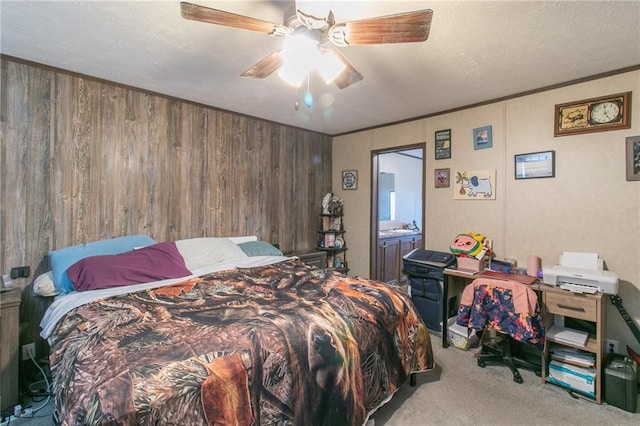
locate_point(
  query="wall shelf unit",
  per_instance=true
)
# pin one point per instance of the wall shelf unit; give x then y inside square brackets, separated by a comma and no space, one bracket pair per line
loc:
[331,240]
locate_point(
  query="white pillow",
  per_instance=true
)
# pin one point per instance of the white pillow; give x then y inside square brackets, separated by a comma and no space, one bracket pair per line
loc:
[44,286]
[199,252]
[244,239]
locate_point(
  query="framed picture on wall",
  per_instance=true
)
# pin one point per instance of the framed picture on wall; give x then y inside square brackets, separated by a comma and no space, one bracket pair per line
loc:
[443,144]
[349,179]
[442,178]
[482,138]
[633,158]
[474,185]
[535,165]
[612,112]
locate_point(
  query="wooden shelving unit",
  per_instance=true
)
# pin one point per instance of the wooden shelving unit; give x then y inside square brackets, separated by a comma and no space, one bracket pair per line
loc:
[331,240]
[583,307]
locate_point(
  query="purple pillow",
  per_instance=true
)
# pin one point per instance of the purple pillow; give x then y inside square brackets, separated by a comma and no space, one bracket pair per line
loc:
[152,263]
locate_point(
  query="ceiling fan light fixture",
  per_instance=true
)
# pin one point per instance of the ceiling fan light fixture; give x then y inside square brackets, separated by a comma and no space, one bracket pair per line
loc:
[313,14]
[293,74]
[330,66]
[300,55]
[313,25]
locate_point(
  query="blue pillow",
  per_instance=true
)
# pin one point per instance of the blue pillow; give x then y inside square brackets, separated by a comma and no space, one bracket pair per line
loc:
[63,258]
[259,248]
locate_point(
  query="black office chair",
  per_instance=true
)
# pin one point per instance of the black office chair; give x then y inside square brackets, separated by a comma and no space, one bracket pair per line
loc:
[504,353]
[509,307]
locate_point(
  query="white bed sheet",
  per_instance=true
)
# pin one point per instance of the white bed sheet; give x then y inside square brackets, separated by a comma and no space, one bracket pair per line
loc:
[64,303]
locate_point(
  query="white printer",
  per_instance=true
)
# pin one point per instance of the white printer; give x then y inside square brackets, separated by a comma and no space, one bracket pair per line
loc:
[582,273]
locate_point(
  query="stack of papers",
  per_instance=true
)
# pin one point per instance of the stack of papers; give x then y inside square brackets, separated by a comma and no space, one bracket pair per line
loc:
[568,335]
[573,356]
[459,270]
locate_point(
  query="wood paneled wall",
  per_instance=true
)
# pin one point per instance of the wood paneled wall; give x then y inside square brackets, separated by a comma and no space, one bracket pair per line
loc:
[83,160]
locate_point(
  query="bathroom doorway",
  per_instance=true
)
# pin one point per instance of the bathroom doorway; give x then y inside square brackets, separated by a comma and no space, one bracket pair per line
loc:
[397,209]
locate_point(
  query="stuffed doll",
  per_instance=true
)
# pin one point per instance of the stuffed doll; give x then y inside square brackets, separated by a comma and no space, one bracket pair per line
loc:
[468,245]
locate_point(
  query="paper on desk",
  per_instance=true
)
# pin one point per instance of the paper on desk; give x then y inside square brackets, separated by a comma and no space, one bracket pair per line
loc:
[568,335]
[580,260]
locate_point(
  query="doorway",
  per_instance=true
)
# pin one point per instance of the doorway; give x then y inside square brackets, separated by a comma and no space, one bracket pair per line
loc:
[397,209]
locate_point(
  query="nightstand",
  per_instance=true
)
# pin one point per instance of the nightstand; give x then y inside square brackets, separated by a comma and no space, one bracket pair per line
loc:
[313,258]
[9,346]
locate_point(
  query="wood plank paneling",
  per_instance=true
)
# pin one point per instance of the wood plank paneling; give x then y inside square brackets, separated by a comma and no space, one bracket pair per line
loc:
[83,159]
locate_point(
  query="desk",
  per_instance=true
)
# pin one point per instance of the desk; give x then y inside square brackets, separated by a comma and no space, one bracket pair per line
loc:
[553,301]
[453,284]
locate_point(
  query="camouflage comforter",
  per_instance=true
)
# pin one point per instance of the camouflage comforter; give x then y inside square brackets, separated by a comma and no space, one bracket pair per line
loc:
[279,344]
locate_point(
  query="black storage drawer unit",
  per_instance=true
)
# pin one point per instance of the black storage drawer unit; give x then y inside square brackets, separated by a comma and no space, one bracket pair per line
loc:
[425,272]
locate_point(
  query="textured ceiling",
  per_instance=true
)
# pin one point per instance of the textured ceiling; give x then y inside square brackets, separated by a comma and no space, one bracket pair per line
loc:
[477,51]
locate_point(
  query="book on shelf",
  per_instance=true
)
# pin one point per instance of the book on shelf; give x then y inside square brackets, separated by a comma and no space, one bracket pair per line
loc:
[573,356]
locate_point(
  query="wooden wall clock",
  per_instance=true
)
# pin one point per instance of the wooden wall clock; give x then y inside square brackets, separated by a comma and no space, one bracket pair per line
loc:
[611,112]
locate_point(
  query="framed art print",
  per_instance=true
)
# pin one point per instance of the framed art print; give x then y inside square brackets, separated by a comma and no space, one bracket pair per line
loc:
[443,144]
[349,179]
[535,165]
[474,185]
[442,178]
[482,138]
[633,158]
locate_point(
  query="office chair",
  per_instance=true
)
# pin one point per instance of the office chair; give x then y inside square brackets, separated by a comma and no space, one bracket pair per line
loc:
[509,307]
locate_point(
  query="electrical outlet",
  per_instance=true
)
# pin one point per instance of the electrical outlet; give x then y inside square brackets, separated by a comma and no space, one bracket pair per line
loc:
[20,272]
[28,351]
[612,346]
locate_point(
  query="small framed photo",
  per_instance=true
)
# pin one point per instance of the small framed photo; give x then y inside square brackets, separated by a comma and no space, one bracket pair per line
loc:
[535,165]
[633,158]
[443,144]
[349,179]
[442,178]
[482,138]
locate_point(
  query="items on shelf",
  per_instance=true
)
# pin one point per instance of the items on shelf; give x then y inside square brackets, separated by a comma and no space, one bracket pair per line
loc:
[331,233]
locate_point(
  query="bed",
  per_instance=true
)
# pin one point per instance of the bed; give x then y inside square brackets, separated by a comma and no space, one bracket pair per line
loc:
[247,336]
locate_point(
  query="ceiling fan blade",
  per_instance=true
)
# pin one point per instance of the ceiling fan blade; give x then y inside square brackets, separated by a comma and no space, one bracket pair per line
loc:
[406,27]
[265,67]
[195,12]
[347,77]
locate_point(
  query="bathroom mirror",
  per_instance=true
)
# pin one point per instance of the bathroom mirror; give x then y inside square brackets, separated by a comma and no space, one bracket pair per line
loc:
[386,196]
[399,188]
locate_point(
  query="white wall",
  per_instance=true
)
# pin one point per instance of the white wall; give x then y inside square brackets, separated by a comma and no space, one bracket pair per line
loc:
[588,206]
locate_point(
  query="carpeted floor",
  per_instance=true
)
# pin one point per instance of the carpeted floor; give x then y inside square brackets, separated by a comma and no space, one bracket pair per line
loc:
[458,392]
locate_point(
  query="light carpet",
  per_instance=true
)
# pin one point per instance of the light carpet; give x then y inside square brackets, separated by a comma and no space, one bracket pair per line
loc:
[458,392]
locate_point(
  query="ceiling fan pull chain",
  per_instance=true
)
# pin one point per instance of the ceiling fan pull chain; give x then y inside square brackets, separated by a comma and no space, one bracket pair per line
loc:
[308,97]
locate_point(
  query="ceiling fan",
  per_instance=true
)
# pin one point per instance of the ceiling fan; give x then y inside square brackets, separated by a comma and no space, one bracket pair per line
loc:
[310,38]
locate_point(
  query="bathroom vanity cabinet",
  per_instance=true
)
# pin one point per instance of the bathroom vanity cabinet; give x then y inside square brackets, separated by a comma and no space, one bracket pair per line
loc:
[391,248]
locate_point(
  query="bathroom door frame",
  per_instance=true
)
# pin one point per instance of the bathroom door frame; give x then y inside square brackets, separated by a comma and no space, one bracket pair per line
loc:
[373,237]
